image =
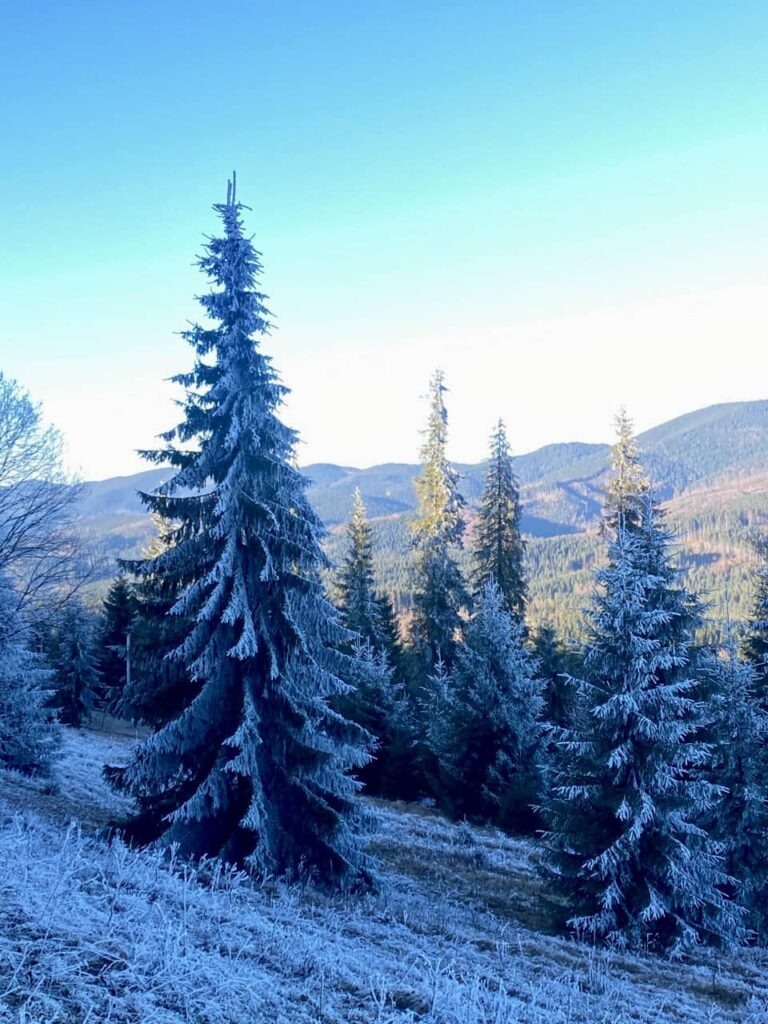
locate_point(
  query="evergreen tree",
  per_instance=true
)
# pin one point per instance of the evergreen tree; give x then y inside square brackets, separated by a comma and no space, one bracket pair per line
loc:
[361,610]
[254,769]
[755,644]
[117,621]
[499,549]
[625,844]
[377,704]
[625,496]
[160,686]
[485,727]
[72,655]
[28,734]
[557,667]
[389,631]
[438,531]
[740,764]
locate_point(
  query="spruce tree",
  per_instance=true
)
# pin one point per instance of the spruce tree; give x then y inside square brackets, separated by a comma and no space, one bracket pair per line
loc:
[438,531]
[28,734]
[118,618]
[73,657]
[255,767]
[629,788]
[361,610]
[557,667]
[755,643]
[485,724]
[499,549]
[740,764]
[377,703]
[626,492]
[389,630]
[160,686]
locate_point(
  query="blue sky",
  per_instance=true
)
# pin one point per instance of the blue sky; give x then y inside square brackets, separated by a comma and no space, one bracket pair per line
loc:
[561,203]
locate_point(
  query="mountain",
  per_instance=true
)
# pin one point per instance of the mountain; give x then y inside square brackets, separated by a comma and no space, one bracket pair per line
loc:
[709,466]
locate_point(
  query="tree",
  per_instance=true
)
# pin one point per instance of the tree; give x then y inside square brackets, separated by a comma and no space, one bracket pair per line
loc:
[437,534]
[41,550]
[377,703]
[624,844]
[256,767]
[755,643]
[499,549]
[118,618]
[557,668]
[740,764]
[629,486]
[485,723]
[160,686]
[73,658]
[361,609]
[28,734]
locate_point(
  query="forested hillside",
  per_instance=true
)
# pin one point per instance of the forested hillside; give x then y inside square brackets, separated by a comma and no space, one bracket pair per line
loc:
[710,466]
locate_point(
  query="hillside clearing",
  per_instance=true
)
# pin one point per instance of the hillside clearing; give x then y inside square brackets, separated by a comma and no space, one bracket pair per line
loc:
[456,934]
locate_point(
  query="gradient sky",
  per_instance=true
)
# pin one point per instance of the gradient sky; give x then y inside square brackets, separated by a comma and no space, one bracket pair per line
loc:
[563,204]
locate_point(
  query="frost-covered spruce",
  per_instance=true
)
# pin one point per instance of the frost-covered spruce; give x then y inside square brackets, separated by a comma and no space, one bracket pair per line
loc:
[485,727]
[160,685]
[740,764]
[28,735]
[256,766]
[377,703]
[755,644]
[118,616]
[73,657]
[361,608]
[438,532]
[630,787]
[556,668]
[499,549]
[629,485]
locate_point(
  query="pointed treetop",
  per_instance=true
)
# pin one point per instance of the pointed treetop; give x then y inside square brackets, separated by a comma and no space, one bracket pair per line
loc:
[630,482]
[358,505]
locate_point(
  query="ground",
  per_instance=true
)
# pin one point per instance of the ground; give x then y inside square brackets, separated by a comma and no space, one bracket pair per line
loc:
[458,932]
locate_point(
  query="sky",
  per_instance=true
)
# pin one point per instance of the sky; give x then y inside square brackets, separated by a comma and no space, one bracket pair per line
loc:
[562,204]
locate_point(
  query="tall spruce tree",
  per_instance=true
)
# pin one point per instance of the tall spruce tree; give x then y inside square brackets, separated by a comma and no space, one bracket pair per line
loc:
[557,668]
[755,643]
[28,734]
[361,609]
[740,764]
[256,766]
[624,844]
[629,485]
[73,657]
[485,724]
[118,618]
[438,532]
[160,685]
[499,549]
[377,703]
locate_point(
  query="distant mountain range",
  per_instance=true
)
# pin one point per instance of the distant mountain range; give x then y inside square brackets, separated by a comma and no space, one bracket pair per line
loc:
[709,466]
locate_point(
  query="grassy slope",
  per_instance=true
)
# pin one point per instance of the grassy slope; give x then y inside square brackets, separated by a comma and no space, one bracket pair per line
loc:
[457,934]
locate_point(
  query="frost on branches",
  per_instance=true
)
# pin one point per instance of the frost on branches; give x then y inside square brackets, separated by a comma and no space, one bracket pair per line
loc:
[485,728]
[438,533]
[630,785]
[255,765]
[499,548]
[740,764]
[28,736]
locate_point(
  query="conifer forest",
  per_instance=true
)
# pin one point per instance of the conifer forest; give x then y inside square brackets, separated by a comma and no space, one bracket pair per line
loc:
[469,726]
[259,706]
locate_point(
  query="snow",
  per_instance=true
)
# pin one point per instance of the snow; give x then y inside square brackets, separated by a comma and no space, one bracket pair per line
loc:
[456,934]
